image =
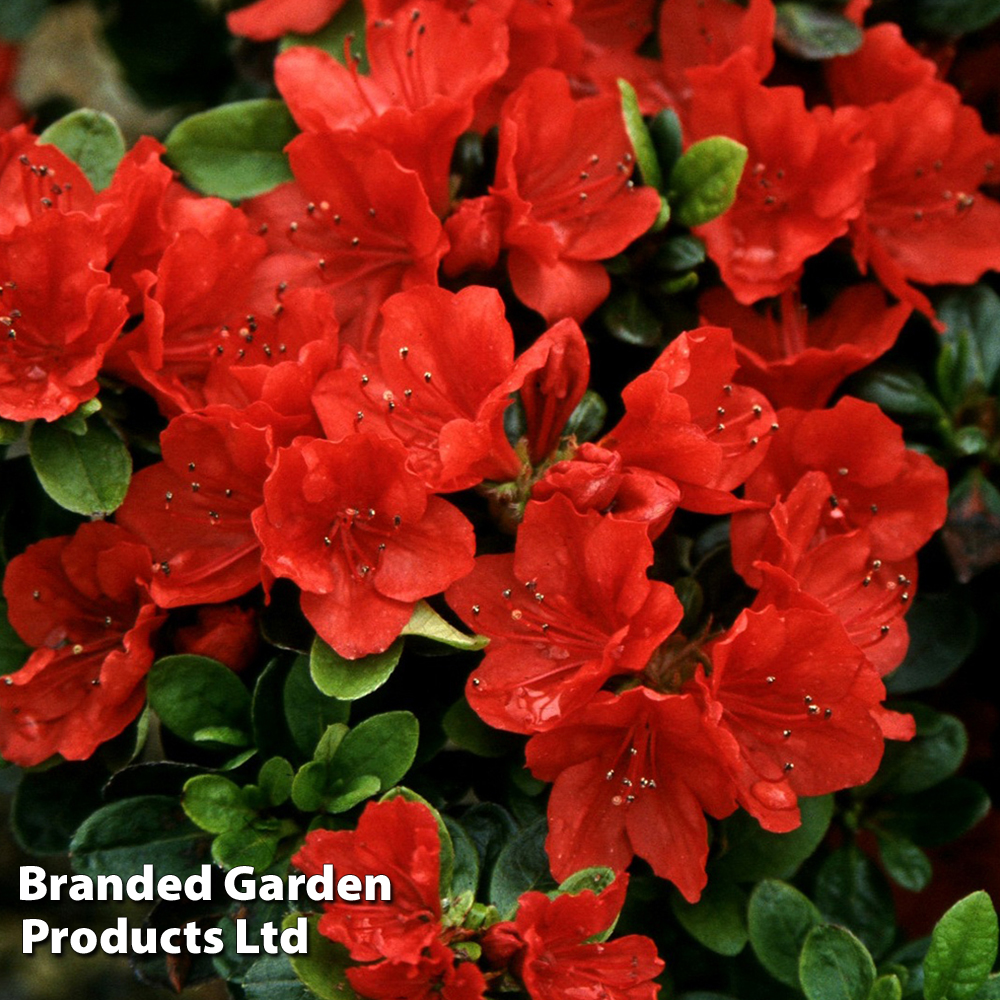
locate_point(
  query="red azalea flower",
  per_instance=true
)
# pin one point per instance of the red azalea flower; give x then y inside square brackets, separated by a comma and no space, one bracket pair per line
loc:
[563,177]
[355,223]
[571,607]
[416,99]
[557,958]
[357,531]
[804,705]
[614,24]
[11,111]
[59,316]
[440,359]
[635,774]
[842,574]
[924,218]
[395,838]
[226,632]
[805,179]
[709,32]
[83,602]
[898,496]
[433,976]
[267,19]
[800,362]
[193,508]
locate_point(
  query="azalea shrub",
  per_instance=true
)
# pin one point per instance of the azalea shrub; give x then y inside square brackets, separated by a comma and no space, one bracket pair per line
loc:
[536,452]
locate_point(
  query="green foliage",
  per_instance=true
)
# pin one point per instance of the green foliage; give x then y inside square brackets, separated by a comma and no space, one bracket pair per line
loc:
[638,133]
[348,680]
[704,180]
[955,17]
[18,18]
[718,920]
[92,140]
[521,867]
[810,31]
[200,700]
[851,891]
[426,623]
[779,918]
[322,968]
[236,150]
[963,950]
[87,474]
[835,965]
[942,636]
[347,25]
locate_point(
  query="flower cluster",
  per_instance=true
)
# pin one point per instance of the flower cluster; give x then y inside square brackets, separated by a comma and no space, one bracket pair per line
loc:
[365,370]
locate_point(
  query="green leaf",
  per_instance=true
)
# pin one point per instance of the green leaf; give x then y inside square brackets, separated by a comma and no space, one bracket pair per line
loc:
[18,18]
[851,891]
[955,17]
[718,920]
[465,874]
[489,827]
[236,150]
[86,474]
[216,804]
[247,845]
[384,745]
[934,754]
[352,791]
[779,918]
[963,950]
[904,862]
[970,351]
[348,23]
[704,181]
[835,965]
[594,880]
[680,253]
[587,418]
[668,141]
[275,780]
[990,990]
[49,805]
[273,978]
[942,635]
[754,853]
[939,815]
[308,712]
[630,320]
[809,32]
[193,693]
[464,728]
[10,431]
[13,652]
[898,390]
[639,136]
[428,624]
[92,140]
[522,866]
[349,680]
[323,967]
[886,988]
[121,837]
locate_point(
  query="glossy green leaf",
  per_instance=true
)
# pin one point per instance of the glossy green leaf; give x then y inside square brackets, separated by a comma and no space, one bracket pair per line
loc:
[466,730]
[248,845]
[630,320]
[216,804]
[905,863]
[522,866]
[348,24]
[307,711]
[886,988]
[851,891]
[934,754]
[348,680]
[92,140]
[898,391]
[273,978]
[86,474]
[939,815]
[384,745]
[835,965]
[703,183]
[323,967]
[428,624]
[963,950]
[236,150]
[718,920]
[465,874]
[587,419]
[193,693]
[970,348]
[668,140]
[642,142]
[808,31]
[779,918]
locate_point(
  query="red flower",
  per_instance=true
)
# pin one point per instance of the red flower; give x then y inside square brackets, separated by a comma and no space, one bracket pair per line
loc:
[433,976]
[59,316]
[635,774]
[796,362]
[803,704]
[563,177]
[440,360]
[193,508]
[359,534]
[898,496]
[82,602]
[805,179]
[557,958]
[416,99]
[267,19]
[356,223]
[395,838]
[226,632]
[570,608]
